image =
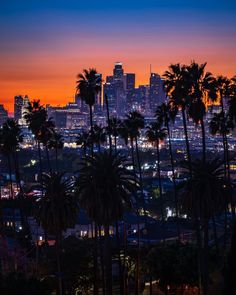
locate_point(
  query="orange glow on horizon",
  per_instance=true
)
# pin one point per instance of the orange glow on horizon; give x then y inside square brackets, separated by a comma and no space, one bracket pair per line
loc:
[52,80]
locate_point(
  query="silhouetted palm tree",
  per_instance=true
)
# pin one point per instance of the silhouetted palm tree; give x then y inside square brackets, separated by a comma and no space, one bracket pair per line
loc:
[104,189]
[156,134]
[36,116]
[56,211]
[203,196]
[84,140]
[115,126]
[99,136]
[130,129]
[89,86]
[176,86]
[10,139]
[56,142]
[164,116]
[202,89]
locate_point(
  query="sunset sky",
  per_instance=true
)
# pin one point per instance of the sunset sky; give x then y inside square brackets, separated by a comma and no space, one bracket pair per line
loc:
[45,43]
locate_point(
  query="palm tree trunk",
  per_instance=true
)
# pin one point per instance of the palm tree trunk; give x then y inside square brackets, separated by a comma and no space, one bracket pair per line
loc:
[56,156]
[150,289]
[95,261]
[186,140]
[174,179]
[125,287]
[115,139]
[48,159]
[119,259]
[205,264]
[108,261]
[40,161]
[160,188]
[203,141]
[108,123]
[102,261]
[58,258]
[91,126]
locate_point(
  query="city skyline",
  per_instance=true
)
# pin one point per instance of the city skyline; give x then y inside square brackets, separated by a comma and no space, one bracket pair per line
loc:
[45,45]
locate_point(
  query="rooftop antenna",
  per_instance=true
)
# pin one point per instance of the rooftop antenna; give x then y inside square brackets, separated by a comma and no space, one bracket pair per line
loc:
[150,69]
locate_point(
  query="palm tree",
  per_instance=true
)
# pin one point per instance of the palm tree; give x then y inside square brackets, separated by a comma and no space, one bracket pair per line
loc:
[202,87]
[46,134]
[104,188]
[164,115]
[88,86]
[36,116]
[56,142]
[114,129]
[130,129]
[84,140]
[176,86]
[56,211]
[99,136]
[156,134]
[203,196]
[10,139]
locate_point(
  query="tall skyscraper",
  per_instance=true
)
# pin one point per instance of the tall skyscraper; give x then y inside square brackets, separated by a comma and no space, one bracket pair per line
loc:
[25,104]
[3,114]
[118,72]
[129,86]
[156,95]
[18,103]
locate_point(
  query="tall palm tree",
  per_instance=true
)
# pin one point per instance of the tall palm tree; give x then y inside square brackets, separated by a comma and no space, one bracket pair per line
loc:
[99,136]
[156,134]
[202,88]
[176,86]
[56,211]
[84,140]
[164,116]
[203,196]
[104,189]
[46,134]
[130,129]
[114,129]
[10,139]
[56,142]
[36,116]
[89,86]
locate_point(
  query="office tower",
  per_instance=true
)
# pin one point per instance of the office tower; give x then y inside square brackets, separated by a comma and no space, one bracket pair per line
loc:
[18,103]
[3,114]
[142,99]
[118,72]
[109,90]
[129,86]
[157,94]
[25,105]
[118,83]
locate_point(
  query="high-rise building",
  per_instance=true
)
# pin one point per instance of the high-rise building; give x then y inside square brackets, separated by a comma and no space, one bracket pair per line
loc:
[118,72]
[18,103]
[109,90]
[24,107]
[142,99]
[129,86]
[157,94]
[3,114]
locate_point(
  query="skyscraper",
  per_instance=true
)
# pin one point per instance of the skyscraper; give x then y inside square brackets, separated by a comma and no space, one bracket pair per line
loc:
[18,103]
[157,94]
[3,114]
[129,86]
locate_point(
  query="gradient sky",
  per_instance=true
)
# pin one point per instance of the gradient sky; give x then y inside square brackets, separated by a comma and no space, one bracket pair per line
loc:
[45,43]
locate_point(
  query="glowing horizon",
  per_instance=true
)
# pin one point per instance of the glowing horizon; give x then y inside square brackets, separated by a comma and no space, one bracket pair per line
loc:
[44,46]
